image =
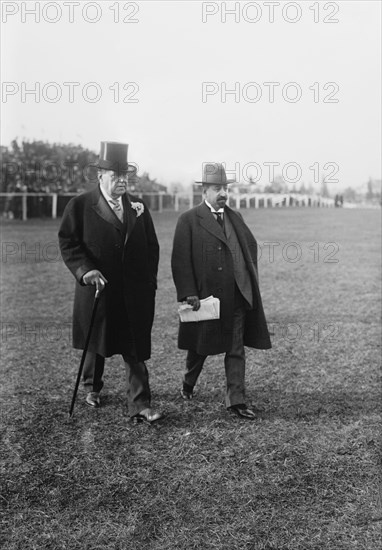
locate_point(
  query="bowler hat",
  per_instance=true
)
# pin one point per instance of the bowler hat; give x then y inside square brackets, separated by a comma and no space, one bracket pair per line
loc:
[113,156]
[214,174]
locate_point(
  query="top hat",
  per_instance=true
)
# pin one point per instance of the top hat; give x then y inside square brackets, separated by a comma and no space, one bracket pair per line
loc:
[113,156]
[214,174]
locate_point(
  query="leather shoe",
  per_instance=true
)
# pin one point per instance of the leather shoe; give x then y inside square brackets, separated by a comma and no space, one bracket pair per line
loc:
[93,399]
[186,395]
[244,412]
[147,415]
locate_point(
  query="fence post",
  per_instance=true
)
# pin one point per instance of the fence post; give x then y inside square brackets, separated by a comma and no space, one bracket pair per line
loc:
[24,205]
[54,206]
[176,205]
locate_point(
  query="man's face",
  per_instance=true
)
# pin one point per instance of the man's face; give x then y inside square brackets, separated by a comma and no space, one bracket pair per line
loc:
[115,185]
[216,195]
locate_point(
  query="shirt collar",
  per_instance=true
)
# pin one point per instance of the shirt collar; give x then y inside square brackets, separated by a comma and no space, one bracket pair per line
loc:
[221,210]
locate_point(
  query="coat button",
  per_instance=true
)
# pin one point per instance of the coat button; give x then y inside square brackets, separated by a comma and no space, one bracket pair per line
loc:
[220,269]
[219,247]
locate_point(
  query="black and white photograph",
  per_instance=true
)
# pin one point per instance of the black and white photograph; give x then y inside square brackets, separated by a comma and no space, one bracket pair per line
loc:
[190,214]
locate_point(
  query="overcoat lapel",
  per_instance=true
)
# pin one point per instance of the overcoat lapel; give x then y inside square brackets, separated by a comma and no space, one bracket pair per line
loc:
[209,223]
[131,216]
[241,232]
[101,207]
[227,226]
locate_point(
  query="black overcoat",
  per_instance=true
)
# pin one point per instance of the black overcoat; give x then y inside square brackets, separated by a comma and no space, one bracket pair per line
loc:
[92,237]
[202,265]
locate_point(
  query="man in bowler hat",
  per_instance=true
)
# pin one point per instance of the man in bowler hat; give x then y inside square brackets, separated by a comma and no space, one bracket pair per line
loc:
[108,241]
[215,253]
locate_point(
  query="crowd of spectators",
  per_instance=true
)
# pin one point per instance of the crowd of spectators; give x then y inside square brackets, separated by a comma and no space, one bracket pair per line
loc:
[40,167]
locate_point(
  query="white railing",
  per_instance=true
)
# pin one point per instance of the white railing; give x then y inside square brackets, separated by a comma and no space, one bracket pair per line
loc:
[271,200]
[55,196]
[180,200]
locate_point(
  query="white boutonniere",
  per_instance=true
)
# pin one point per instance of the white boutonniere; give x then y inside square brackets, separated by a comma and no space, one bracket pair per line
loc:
[138,207]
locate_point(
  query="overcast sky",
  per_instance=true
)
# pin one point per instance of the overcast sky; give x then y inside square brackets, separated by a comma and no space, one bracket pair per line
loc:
[324,66]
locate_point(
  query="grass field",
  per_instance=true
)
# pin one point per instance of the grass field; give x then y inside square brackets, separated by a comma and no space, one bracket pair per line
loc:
[306,475]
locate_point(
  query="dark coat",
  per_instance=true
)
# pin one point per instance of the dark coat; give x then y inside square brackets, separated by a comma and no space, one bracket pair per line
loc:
[202,266]
[92,237]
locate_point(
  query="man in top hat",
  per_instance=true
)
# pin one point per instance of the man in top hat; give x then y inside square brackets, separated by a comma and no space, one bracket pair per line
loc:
[215,253]
[108,241]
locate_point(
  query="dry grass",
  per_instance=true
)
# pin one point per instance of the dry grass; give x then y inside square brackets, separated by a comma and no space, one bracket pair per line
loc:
[304,476]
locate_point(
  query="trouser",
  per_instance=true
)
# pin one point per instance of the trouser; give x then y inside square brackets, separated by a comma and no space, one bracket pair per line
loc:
[137,380]
[234,361]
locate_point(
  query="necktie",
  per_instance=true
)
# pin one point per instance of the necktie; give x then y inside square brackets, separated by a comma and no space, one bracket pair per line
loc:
[219,219]
[117,209]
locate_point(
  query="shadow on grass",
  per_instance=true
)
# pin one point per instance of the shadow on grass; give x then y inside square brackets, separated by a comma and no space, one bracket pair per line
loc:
[205,407]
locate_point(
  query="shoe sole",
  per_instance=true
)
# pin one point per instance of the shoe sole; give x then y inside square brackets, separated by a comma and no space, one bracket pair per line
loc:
[235,413]
[143,419]
[93,405]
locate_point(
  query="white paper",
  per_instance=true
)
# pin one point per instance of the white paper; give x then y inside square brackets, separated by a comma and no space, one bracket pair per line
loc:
[209,309]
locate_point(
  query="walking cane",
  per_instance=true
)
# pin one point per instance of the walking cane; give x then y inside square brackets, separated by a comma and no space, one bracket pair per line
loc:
[95,304]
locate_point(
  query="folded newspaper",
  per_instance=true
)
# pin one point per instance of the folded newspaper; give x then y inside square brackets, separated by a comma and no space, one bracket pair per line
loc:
[209,309]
